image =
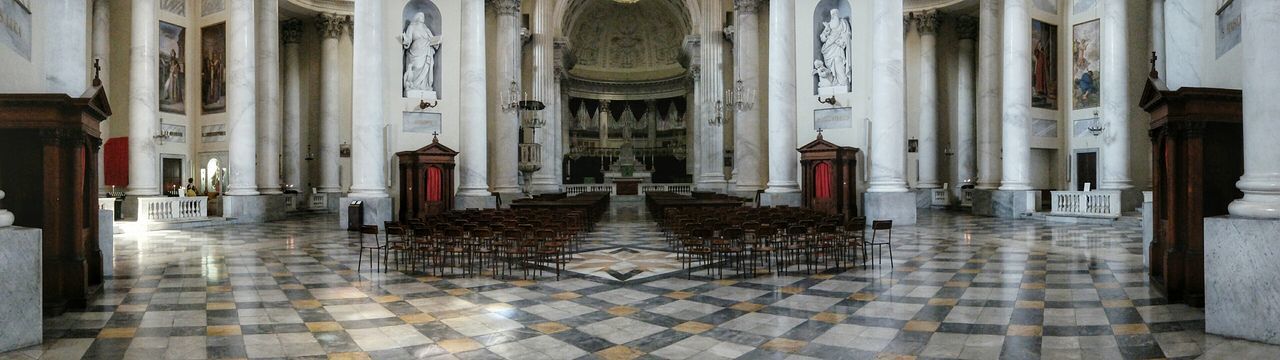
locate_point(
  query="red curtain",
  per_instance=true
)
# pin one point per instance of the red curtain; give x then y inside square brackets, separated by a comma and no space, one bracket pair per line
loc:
[822,180]
[115,159]
[433,184]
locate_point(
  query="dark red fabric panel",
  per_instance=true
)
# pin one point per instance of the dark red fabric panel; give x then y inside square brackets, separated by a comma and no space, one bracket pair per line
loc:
[433,184]
[822,180]
[115,162]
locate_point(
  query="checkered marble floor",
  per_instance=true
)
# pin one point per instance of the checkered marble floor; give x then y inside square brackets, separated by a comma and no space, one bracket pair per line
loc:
[959,287]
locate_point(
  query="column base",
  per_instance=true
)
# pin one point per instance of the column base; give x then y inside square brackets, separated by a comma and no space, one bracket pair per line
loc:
[106,240]
[1148,228]
[254,208]
[377,210]
[474,201]
[22,308]
[792,199]
[897,206]
[1003,203]
[718,186]
[1242,278]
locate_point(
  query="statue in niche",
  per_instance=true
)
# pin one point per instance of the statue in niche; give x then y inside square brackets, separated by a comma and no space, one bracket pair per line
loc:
[835,38]
[826,78]
[420,46]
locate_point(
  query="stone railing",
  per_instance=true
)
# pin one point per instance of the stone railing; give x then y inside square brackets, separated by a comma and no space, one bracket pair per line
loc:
[1097,203]
[966,198]
[684,189]
[172,208]
[939,197]
[575,189]
[107,203]
[318,201]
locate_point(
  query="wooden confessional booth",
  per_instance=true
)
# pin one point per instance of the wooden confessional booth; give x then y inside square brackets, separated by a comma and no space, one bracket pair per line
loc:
[426,180]
[49,174]
[1197,156]
[829,176]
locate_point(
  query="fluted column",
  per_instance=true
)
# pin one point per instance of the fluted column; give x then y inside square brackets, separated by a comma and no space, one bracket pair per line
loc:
[144,159]
[783,159]
[888,108]
[747,161]
[545,89]
[927,25]
[102,52]
[962,142]
[66,66]
[368,148]
[268,67]
[989,112]
[1261,87]
[709,90]
[291,34]
[1016,132]
[241,105]
[473,169]
[1115,97]
[505,124]
[330,27]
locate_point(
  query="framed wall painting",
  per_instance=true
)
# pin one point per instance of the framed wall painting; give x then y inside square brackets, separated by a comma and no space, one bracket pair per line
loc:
[1085,66]
[173,74]
[213,66]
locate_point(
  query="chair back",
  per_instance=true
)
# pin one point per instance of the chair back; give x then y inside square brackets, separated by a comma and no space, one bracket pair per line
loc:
[882,225]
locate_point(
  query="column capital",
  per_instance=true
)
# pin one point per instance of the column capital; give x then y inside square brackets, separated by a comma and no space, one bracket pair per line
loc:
[330,25]
[967,27]
[506,7]
[927,21]
[746,6]
[291,31]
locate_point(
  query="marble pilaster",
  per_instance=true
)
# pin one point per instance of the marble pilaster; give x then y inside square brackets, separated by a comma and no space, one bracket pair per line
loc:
[368,145]
[927,25]
[1261,86]
[888,107]
[291,34]
[241,105]
[268,106]
[784,186]
[988,108]
[709,90]
[1157,34]
[747,162]
[1115,97]
[504,125]
[546,89]
[102,52]
[473,160]
[1183,25]
[330,27]
[144,87]
[963,137]
[1016,131]
[66,64]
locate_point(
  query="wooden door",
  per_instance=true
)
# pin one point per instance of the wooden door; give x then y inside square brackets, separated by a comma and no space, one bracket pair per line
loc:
[1086,169]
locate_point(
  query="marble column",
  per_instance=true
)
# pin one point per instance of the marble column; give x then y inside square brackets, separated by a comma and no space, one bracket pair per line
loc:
[784,186]
[473,160]
[1157,34]
[330,27]
[709,90]
[963,143]
[1184,24]
[268,84]
[368,147]
[144,87]
[505,124]
[747,139]
[291,35]
[888,108]
[989,112]
[66,60]
[1261,181]
[927,25]
[1115,97]
[1016,131]
[545,89]
[241,105]
[102,52]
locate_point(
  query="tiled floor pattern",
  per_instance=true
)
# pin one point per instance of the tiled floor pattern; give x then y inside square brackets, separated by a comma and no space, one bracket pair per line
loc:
[960,287]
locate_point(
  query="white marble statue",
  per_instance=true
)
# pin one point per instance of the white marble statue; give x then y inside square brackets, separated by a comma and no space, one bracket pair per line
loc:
[836,35]
[6,217]
[825,77]
[420,46]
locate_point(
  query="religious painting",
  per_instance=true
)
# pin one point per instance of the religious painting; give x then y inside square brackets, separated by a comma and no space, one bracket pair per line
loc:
[173,74]
[210,7]
[176,7]
[15,27]
[1228,27]
[1082,5]
[1049,6]
[1085,65]
[213,66]
[832,71]
[1044,65]
[421,40]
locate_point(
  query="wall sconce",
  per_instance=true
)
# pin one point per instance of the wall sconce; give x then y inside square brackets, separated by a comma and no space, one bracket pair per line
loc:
[912,145]
[721,114]
[310,155]
[423,104]
[828,100]
[741,96]
[344,150]
[511,100]
[1096,127]
[161,135]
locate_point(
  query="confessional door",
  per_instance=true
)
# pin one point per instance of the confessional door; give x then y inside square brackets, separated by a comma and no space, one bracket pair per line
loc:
[1086,169]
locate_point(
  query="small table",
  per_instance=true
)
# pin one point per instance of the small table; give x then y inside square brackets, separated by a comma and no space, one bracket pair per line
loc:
[628,186]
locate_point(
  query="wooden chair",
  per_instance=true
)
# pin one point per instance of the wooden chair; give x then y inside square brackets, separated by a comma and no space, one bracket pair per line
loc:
[366,232]
[876,227]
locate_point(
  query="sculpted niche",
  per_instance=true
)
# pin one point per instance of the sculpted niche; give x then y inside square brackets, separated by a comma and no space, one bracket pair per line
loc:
[421,40]
[832,68]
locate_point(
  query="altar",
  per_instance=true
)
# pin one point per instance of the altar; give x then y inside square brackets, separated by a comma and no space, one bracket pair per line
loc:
[623,172]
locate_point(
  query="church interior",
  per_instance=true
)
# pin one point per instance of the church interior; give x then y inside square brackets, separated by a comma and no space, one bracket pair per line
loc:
[639,179]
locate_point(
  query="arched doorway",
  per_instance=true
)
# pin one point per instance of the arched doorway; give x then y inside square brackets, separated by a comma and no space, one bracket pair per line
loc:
[626,91]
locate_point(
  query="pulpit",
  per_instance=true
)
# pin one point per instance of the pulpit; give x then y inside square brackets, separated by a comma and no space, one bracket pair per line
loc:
[829,180]
[49,173]
[1197,156]
[426,180]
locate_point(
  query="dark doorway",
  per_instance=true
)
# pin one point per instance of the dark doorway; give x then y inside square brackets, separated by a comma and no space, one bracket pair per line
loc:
[1086,169]
[172,170]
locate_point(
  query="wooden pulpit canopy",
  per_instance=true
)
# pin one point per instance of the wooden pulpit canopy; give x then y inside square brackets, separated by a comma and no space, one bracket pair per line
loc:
[49,174]
[426,180]
[829,177]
